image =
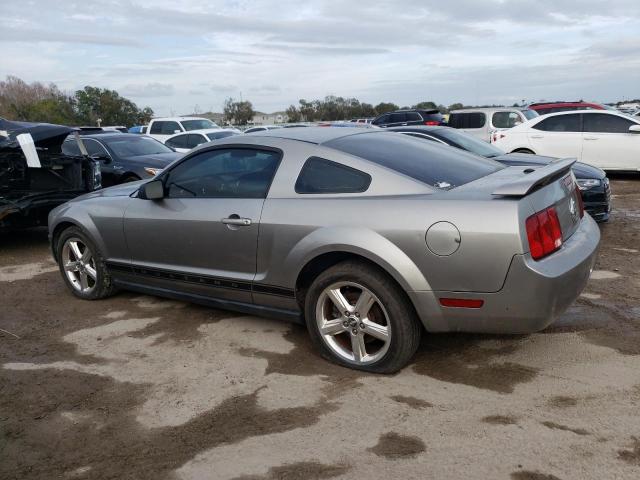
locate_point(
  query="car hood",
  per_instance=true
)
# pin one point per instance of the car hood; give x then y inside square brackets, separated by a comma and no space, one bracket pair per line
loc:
[580,170]
[155,160]
[122,190]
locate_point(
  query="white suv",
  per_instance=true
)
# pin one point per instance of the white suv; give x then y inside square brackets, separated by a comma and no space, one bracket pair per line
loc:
[483,122]
[163,128]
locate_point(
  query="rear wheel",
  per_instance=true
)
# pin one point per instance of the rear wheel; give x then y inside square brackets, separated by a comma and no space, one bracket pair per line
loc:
[358,317]
[82,265]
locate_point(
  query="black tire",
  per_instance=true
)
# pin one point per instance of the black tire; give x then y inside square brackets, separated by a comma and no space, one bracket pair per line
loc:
[405,327]
[524,150]
[103,286]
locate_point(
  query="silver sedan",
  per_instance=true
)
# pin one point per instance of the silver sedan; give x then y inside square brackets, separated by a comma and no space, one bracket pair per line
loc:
[367,236]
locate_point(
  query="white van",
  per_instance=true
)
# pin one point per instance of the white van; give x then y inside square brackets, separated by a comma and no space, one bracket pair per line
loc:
[483,122]
[163,128]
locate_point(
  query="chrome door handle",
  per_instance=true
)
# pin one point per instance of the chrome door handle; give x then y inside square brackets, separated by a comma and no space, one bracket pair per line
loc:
[235,220]
[590,138]
[537,136]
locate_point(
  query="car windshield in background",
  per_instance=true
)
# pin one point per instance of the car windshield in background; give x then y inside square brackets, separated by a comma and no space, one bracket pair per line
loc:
[197,124]
[435,165]
[218,135]
[529,114]
[470,143]
[134,146]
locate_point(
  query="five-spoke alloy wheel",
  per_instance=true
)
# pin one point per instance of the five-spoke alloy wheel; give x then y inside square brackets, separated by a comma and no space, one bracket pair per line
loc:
[79,265]
[353,322]
[82,265]
[359,317]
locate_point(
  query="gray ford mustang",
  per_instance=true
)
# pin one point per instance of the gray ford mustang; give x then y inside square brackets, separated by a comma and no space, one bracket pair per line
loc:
[368,236]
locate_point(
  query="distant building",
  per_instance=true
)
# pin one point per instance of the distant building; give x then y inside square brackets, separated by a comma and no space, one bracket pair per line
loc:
[261,118]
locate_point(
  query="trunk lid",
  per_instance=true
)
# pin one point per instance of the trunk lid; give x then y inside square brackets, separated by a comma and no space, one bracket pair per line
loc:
[552,185]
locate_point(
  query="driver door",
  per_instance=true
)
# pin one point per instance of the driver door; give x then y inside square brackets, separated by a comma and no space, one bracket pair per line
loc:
[201,238]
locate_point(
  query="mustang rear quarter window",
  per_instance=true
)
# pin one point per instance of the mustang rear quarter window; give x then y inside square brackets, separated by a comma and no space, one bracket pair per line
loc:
[426,162]
[324,176]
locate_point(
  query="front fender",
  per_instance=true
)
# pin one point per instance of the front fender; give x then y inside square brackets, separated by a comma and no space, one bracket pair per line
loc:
[366,243]
[101,220]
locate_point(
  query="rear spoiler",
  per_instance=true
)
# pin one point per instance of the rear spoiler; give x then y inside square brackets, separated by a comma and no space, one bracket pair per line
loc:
[530,181]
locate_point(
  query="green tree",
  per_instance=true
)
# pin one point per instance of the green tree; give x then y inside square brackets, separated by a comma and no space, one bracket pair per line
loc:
[367,110]
[109,107]
[456,106]
[293,114]
[35,102]
[307,110]
[426,106]
[238,113]
[383,107]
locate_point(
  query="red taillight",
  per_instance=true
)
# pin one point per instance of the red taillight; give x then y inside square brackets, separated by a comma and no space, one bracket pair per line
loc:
[431,123]
[544,233]
[461,302]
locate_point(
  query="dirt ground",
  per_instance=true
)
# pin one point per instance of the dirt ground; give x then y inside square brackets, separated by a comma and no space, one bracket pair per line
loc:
[137,387]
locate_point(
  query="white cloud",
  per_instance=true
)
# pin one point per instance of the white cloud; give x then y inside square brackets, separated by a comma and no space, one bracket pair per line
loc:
[171,54]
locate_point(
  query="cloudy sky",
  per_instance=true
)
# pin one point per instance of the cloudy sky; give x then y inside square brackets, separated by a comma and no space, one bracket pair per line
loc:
[177,55]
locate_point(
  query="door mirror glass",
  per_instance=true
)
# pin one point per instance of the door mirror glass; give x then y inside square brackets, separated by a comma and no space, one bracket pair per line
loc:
[152,190]
[101,157]
[634,129]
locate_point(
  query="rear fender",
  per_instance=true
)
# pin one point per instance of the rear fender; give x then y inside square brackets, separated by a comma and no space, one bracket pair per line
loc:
[365,243]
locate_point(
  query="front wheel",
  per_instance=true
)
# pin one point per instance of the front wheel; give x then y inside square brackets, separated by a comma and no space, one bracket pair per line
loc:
[82,265]
[358,317]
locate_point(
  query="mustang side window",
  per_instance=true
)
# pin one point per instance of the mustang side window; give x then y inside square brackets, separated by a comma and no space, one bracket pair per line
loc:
[224,173]
[324,176]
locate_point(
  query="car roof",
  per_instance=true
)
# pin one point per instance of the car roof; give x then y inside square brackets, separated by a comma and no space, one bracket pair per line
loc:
[487,109]
[419,128]
[177,119]
[205,131]
[317,135]
[109,136]
[585,112]
[561,104]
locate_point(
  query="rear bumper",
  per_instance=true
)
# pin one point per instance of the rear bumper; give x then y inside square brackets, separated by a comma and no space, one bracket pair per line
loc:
[534,294]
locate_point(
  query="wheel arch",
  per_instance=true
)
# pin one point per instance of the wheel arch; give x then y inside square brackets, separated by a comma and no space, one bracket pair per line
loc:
[369,247]
[526,150]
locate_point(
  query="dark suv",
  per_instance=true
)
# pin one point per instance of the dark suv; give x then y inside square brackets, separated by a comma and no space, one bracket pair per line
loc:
[401,118]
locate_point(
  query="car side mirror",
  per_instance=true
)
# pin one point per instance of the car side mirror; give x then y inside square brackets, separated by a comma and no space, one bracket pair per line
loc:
[634,129]
[152,190]
[101,157]
[177,131]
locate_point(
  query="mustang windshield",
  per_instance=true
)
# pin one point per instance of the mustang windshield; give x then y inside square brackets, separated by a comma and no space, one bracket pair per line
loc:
[430,163]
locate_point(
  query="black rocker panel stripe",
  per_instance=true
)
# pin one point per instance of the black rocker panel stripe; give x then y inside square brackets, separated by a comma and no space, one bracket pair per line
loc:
[201,279]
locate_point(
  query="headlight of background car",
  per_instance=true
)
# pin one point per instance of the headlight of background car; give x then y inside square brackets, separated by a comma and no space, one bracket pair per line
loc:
[587,183]
[152,171]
